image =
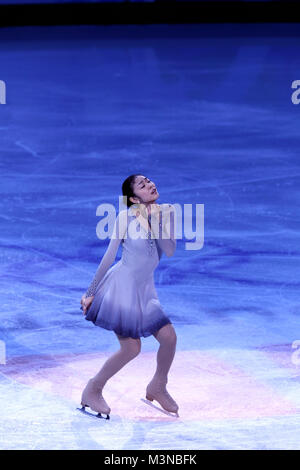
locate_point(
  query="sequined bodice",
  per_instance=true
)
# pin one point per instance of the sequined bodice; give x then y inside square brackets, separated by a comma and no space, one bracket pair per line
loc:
[140,254]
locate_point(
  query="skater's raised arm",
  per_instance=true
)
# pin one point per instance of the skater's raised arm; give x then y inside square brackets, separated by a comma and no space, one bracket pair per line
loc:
[111,252]
[164,230]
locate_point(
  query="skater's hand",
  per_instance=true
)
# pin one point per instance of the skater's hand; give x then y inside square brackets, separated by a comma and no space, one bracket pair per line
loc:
[154,210]
[141,213]
[86,302]
[162,214]
[140,210]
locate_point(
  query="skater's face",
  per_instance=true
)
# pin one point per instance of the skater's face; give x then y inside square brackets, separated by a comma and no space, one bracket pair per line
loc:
[145,190]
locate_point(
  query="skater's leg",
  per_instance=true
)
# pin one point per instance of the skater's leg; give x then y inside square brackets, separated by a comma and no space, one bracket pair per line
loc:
[156,389]
[92,394]
[129,349]
[167,339]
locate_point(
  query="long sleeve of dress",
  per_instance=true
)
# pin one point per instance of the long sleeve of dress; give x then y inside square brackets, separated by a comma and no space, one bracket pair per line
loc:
[165,232]
[110,254]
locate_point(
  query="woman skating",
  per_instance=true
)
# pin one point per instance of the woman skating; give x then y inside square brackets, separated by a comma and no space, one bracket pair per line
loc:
[122,297]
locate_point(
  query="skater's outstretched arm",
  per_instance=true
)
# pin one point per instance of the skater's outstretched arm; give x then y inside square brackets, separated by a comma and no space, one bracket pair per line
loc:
[111,252]
[164,229]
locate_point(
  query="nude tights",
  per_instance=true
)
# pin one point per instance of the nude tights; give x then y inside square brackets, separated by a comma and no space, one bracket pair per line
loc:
[131,347]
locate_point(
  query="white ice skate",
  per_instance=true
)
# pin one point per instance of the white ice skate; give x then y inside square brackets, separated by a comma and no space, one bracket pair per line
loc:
[156,390]
[92,398]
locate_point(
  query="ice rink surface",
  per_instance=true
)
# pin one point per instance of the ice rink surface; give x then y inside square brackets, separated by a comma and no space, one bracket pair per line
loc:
[206,112]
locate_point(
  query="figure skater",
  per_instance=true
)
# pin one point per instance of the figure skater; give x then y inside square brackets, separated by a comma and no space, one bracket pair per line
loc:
[122,298]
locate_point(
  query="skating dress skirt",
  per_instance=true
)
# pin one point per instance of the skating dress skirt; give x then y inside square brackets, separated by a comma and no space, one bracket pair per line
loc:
[125,299]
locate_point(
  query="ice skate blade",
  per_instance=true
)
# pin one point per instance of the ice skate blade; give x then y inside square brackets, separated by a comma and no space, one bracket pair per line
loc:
[169,413]
[99,415]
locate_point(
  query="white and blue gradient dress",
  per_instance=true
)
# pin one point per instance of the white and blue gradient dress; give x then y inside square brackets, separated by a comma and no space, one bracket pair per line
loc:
[125,298]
